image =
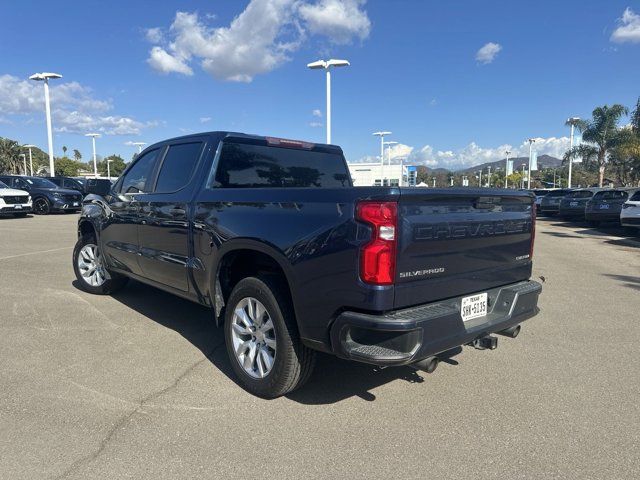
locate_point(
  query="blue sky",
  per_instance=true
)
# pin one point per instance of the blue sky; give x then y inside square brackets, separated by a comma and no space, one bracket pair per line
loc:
[141,71]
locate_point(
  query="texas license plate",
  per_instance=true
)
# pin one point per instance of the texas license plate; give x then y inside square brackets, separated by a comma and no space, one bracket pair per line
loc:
[474,306]
[17,207]
[573,204]
[75,204]
[604,206]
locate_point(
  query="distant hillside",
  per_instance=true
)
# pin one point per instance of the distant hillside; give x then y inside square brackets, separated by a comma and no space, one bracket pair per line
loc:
[544,161]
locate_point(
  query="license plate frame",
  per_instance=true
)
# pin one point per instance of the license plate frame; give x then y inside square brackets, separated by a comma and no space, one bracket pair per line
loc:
[604,206]
[474,306]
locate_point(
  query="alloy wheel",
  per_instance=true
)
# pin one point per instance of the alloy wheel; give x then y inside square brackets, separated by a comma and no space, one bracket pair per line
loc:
[40,206]
[90,265]
[253,337]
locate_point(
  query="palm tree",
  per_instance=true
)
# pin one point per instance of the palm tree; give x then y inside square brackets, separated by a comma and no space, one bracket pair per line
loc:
[64,151]
[77,156]
[601,135]
[9,155]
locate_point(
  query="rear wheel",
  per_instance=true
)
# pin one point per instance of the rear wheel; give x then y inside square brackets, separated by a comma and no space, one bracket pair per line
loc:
[91,273]
[41,206]
[262,339]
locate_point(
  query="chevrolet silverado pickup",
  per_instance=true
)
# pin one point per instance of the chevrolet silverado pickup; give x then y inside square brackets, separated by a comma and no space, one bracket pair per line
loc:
[292,259]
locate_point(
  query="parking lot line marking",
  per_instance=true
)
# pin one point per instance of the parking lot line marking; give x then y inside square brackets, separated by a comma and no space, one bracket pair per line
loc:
[35,253]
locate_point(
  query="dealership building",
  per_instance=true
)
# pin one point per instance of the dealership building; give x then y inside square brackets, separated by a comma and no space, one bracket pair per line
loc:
[370,174]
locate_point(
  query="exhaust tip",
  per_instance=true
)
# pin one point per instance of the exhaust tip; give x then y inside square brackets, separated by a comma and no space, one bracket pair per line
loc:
[428,364]
[512,332]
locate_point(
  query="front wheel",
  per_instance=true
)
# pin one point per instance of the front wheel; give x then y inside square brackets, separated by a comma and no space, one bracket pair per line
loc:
[262,339]
[90,270]
[41,206]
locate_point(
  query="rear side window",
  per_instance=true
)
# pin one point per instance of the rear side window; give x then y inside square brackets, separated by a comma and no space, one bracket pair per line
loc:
[581,194]
[612,195]
[260,166]
[178,166]
[136,178]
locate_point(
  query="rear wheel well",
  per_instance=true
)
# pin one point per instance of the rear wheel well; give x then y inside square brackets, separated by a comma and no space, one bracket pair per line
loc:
[240,264]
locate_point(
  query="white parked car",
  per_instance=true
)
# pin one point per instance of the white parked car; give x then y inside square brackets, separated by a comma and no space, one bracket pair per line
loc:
[630,213]
[14,202]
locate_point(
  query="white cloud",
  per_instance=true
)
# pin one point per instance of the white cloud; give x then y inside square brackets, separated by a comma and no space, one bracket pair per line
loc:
[154,35]
[258,40]
[164,62]
[472,154]
[488,52]
[205,119]
[317,113]
[74,108]
[316,124]
[339,20]
[628,29]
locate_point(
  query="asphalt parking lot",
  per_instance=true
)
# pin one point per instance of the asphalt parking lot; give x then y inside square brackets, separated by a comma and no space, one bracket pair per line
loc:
[138,386]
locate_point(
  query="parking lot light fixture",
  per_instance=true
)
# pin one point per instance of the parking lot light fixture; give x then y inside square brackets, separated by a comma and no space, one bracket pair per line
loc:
[531,142]
[44,77]
[95,162]
[24,163]
[327,65]
[381,134]
[506,168]
[139,145]
[572,123]
[29,146]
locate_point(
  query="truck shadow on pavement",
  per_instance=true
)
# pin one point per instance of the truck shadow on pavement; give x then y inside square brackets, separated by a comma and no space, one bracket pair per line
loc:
[627,280]
[333,379]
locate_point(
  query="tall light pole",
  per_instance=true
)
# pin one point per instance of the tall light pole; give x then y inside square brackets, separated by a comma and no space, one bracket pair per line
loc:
[139,145]
[572,122]
[522,184]
[24,162]
[489,177]
[480,178]
[108,168]
[506,168]
[29,146]
[326,65]
[389,145]
[95,162]
[381,134]
[531,142]
[44,77]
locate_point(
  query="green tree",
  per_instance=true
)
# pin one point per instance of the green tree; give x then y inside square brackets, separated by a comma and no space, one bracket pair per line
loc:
[64,151]
[116,166]
[66,167]
[77,156]
[601,135]
[9,156]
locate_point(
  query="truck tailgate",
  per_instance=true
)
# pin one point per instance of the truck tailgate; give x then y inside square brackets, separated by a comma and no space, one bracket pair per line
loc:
[453,242]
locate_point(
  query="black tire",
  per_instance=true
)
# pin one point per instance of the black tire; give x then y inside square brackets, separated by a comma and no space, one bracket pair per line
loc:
[113,282]
[294,362]
[41,206]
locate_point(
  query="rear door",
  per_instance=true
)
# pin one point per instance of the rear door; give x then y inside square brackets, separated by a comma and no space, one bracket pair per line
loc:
[455,242]
[164,227]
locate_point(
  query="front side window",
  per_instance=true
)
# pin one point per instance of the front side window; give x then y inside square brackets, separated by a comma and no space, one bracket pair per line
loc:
[136,178]
[178,166]
[259,166]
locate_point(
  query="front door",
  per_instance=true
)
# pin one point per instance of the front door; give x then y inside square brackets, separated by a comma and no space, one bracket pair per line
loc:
[119,234]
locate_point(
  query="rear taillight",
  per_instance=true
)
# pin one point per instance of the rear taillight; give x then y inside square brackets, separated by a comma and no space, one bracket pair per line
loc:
[533,230]
[378,257]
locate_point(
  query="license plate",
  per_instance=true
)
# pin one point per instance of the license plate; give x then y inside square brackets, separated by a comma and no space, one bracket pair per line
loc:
[604,206]
[17,207]
[474,306]
[75,204]
[573,204]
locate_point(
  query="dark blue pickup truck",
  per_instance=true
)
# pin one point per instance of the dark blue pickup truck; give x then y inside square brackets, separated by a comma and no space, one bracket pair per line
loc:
[292,259]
